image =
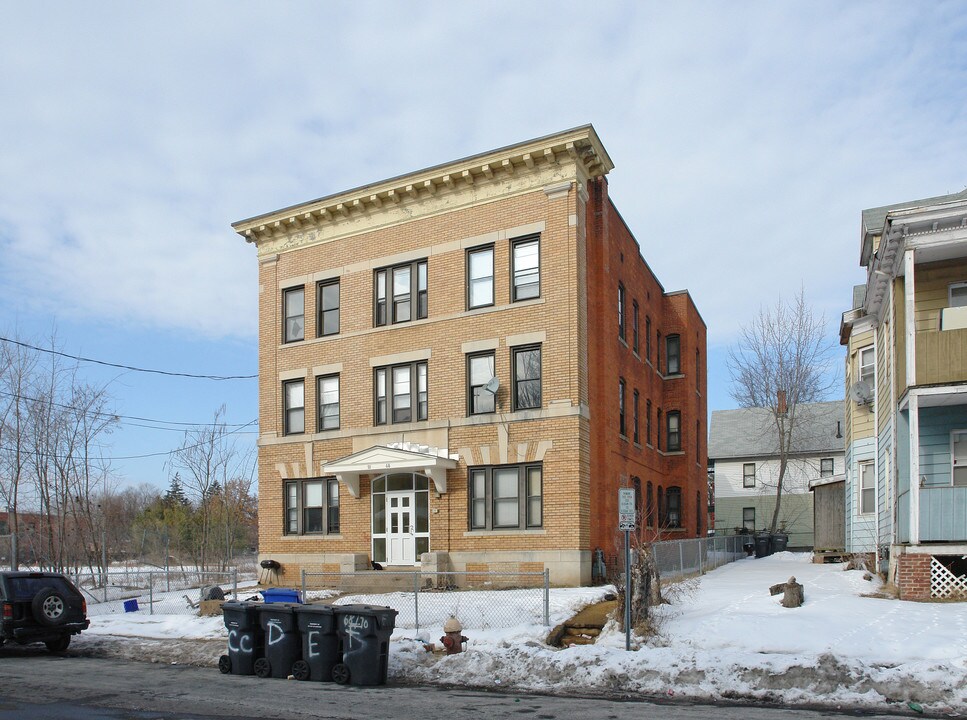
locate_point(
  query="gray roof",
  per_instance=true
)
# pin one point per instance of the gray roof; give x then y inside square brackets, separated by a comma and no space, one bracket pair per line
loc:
[749,433]
[874,218]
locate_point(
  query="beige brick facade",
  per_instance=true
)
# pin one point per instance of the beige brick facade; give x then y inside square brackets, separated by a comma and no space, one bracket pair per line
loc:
[532,189]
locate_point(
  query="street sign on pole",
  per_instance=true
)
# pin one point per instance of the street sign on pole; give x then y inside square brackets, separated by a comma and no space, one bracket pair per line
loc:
[627,516]
[627,523]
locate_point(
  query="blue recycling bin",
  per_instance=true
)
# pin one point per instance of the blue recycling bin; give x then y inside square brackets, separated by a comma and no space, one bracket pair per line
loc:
[281,595]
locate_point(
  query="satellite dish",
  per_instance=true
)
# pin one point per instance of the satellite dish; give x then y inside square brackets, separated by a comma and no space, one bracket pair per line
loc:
[861,393]
[492,385]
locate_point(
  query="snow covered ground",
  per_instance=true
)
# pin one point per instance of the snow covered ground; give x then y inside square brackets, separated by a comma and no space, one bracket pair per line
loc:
[723,636]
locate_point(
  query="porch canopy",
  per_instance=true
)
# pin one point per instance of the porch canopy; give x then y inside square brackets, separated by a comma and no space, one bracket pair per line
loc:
[397,457]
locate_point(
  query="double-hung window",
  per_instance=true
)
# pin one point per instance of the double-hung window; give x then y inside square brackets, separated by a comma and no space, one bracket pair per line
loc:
[480,277]
[673,507]
[634,416]
[621,311]
[293,407]
[647,338]
[648,422]
[527,377]
[526,270]
[957,294]
[748,518]
[294,310]
[867,365]
[826,467]
[958,457]
[674,434]
[401,393]
[867,488]
[327,293]
[621,407]
[312,507]
[401,293]
[634,326]
[673,358]
[506,497]
[327,391]
[748,475]
[480,371]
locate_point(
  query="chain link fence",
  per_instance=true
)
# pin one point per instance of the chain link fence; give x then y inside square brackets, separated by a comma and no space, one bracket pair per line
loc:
[427,599]
[682,558]
[8,545]
[155,592]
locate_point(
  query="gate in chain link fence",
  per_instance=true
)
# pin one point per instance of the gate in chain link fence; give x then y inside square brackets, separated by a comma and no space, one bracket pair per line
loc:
[8,548]
[156,592]
[681,558]
[426,599]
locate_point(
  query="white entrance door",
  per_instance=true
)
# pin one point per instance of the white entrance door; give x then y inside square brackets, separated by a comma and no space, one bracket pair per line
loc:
[400,532]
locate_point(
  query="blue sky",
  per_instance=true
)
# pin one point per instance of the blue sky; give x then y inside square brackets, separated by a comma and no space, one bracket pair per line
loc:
[747,138]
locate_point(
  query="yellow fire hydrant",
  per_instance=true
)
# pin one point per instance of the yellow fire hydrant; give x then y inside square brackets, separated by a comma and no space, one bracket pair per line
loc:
[452,639]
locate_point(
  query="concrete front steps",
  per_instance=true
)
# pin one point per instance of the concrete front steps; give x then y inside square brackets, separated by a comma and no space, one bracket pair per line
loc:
[585,627]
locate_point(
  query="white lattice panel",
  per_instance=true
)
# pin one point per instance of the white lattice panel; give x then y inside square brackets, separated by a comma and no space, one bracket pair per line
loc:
[943,583]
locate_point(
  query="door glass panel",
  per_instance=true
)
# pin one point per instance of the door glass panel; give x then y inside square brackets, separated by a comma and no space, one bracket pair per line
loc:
[421,482]
[406,502]
[405,516]
[379,549]
[422,512]
[379,514]
[422,546]
[399,482]
[394,522]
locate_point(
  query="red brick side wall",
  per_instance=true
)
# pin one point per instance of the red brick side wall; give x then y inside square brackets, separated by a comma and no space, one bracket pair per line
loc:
[614,256]
[913,577]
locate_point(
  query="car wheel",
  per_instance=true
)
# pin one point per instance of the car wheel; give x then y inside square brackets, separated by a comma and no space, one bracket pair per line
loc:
[263,668]
[60,644]
[340,673]
[300,670]
[49,607]
[225,664]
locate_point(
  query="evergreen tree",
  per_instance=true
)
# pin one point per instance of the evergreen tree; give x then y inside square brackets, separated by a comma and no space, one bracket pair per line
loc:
[176,493]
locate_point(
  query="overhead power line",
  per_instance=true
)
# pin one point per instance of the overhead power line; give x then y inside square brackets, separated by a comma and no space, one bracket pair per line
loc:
[128,367]
[238,431]
[125,417]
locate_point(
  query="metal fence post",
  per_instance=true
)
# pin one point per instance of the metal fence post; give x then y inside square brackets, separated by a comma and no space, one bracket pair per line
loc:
[235,584]
[416,599]
[303,584]
[681,558]
[150,593]
[547,597]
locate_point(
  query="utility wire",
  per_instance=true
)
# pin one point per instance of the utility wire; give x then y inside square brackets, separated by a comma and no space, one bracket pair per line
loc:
[27,450]
[128,367]
[124,417]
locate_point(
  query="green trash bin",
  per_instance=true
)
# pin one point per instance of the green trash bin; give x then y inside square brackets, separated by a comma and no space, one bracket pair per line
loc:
[283,645]
[245,640]
[365,632]
[320,643]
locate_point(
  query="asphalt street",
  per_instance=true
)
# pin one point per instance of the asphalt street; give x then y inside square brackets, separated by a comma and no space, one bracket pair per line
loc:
[37,686]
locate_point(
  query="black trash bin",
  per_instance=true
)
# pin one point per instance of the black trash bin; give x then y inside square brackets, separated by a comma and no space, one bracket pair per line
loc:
[245,641]
[365,631]
[283,645]
[779,542]
[320,643]
[763,545]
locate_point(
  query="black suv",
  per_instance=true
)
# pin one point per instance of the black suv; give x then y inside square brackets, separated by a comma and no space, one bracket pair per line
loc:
[40,607]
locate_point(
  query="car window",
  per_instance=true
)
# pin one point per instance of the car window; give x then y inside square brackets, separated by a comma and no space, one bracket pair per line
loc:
[24,588]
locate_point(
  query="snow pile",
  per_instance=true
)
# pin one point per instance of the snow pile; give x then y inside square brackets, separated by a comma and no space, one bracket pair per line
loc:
[724,636]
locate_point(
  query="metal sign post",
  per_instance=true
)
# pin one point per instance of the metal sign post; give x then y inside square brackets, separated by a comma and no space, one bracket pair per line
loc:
[627,523]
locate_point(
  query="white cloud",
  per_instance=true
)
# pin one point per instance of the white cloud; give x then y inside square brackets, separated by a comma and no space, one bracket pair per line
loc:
[747,137]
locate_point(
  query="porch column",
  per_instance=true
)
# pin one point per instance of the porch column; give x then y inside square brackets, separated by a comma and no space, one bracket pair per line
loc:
[910,319]
[914,409]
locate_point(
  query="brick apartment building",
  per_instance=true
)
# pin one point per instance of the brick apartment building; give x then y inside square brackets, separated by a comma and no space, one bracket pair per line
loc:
[458,367]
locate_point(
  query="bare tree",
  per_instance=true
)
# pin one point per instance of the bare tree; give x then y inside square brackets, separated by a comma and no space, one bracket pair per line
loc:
[781,363]
[209,458]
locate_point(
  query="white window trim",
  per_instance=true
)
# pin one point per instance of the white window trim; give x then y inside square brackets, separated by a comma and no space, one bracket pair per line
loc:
[859,506]
[952,434]
[950,292]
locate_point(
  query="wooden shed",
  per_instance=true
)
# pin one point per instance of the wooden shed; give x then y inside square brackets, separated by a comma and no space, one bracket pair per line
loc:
[829,517]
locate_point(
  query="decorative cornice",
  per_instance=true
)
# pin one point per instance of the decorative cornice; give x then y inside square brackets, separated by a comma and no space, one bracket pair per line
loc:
[580,146]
